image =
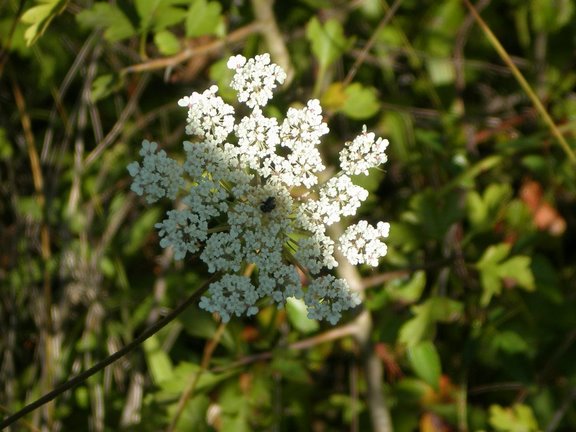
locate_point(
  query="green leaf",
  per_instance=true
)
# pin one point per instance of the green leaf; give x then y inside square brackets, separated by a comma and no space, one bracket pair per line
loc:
[298,316]
[182,375]
[425,362]
[203,18]
[291,369]
[510,342]
[444,309]
[40,16]
[518,268]
[518,418]
[117,26]
[493,255]
[199,323]
[494,267]
[140,230]
[167,42]
[483,211]
[361,102]
[551,15]
[105,85]
[159,364]
[434,212]
[422,325]
[6,150]
[465,179]
[29,207]
[328,41]
[356,101]
[157,15]
[441,70]
[418,328]
[407,290]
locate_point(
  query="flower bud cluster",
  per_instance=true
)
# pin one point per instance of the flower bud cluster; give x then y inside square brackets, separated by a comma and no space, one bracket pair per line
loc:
[243,204]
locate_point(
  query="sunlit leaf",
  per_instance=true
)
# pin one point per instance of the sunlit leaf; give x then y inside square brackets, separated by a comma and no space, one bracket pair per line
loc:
[167,42]
[494,267]
[422,325]
[518,418]
[105,85]
[361,102]
[327,40]
[159,14]
[40,16]
[203,18]
[407,290]
[298,316]
[425,362]
[108,16]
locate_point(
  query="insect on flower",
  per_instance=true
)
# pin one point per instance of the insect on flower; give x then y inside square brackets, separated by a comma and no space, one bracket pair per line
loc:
[268,204]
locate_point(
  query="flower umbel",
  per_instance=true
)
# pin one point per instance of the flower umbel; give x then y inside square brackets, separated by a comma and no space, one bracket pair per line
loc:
[243,204]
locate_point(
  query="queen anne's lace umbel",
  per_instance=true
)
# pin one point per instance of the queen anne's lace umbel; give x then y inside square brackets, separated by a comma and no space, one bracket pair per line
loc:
[243,202]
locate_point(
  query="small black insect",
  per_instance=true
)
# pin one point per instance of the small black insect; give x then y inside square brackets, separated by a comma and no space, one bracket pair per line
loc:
[268,204]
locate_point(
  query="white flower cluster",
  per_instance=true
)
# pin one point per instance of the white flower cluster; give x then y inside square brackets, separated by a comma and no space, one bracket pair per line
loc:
[244,206]
[361,243]
[363,153]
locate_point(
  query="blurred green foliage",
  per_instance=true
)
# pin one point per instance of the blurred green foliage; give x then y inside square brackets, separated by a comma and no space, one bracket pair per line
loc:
[473,307]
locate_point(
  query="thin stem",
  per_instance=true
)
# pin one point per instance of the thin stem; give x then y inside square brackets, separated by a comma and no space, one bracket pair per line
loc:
[522,81]
[79,379]
[366,48]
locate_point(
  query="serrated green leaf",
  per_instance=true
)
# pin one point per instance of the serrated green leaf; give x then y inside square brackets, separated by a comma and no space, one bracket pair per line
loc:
[518,269]
[491,286]
[167,42]
[425,362]
[203,18]
[117,26]
[334,98]
[493,255]
[39,18]
[494,267]
[361,102]
[483,210]
[327,40]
